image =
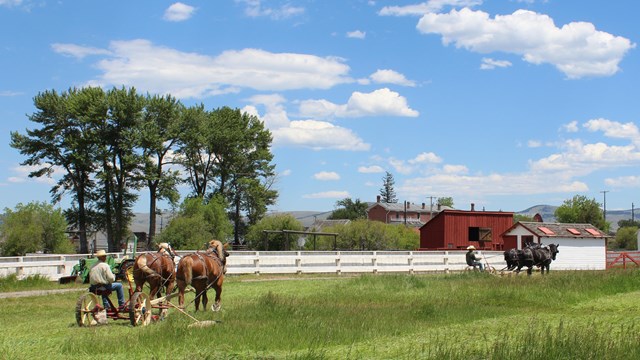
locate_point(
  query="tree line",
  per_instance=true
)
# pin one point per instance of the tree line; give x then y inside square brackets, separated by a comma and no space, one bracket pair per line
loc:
[108,145]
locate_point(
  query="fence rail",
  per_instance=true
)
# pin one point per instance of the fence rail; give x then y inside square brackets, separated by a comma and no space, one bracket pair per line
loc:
[281,262]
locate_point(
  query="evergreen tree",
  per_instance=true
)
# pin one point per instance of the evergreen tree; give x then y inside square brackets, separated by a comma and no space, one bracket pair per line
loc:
[387,192]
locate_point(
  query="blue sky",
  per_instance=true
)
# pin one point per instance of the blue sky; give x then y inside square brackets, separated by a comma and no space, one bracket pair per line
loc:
[505,104]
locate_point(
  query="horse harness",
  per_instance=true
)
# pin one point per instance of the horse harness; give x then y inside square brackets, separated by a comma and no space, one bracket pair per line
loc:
[206,268]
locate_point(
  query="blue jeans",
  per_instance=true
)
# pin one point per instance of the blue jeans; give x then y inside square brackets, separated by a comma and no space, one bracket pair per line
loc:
[479,264]
[117,287]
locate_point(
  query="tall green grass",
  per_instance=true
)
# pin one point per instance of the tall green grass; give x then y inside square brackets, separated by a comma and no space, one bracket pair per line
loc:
[565,315]
[31,282]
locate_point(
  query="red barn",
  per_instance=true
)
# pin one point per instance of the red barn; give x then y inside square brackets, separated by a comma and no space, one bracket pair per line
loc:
[457,229]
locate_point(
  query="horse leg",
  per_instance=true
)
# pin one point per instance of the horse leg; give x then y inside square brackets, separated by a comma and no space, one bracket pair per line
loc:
[205,300]
[529,270]
[216,305]
[182,285]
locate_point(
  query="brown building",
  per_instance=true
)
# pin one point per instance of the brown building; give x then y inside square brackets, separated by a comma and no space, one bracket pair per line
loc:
[457,229]
[404,213]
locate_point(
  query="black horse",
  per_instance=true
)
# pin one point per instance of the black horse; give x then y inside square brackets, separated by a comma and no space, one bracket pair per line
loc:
[537,256]
[511,258]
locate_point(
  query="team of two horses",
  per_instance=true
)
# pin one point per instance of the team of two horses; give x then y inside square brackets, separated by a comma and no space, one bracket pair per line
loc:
[202,270]
[530,256]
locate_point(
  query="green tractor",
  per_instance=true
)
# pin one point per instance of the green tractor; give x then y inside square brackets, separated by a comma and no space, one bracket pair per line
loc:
[121,268]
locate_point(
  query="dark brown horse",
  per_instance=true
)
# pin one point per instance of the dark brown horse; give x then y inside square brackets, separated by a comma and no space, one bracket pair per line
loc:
[202,270]
[158,269]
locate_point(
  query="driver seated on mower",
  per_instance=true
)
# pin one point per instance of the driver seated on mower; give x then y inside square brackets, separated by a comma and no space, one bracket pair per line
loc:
[473,258]
[101,277]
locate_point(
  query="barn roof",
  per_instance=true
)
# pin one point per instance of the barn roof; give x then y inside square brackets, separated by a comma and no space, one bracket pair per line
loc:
[557,230]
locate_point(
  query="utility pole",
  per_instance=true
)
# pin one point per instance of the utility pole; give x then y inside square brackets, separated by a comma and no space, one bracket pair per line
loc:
[431,206]
[632,215]
[604,193]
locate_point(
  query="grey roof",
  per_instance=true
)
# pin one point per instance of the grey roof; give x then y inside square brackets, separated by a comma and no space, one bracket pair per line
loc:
[321,224]
[415,208]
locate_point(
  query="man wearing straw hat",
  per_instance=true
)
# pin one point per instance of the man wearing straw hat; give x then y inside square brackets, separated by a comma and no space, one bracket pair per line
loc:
[101,275]
[473,257]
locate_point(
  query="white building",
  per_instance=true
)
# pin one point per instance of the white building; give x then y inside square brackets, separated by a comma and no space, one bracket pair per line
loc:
[581,246]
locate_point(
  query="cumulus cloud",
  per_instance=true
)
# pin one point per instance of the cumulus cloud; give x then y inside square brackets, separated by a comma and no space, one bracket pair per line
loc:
[326,176]
[160,69]
[311,134]
[426,157]
[431,6]
[614,129]
[390,77]
[576,49]
[336,194]
[374,169]
[490,64]
[571,127]
[254,8]
[382,102]
[179,12]
[356,34]
[286,172]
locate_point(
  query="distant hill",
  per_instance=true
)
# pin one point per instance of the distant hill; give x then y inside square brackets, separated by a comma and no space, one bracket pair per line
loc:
[547,211]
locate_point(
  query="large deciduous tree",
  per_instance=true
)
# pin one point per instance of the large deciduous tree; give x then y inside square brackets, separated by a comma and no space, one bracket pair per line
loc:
[349,209]
[65,139]
[160,131]
[581,210]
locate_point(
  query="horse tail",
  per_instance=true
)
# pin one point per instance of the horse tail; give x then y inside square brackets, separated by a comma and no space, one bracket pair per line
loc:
[142,265]
[185,269]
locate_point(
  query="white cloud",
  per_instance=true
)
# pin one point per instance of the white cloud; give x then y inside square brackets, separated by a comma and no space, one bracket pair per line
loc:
[326,176]
[159,69]
[254,9]
[22,174]
[179,12]
[623,182]
[78,51]
[374,169]
[490,64]
[318,135]
[356,34]
[429,158]
[534,143]
[328,195]
[455,169]
[286,172]
[10,3]
[312,134]
[577,49]
[571,127]
[10,93]
[614,129]
[391,77]
[430,6]
[382,102]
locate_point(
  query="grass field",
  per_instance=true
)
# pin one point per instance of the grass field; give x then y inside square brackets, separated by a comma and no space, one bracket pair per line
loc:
[565,315]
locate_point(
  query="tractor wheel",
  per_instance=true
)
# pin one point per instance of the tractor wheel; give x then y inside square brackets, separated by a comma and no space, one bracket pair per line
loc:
[125,269]
[140,309]
[85,309]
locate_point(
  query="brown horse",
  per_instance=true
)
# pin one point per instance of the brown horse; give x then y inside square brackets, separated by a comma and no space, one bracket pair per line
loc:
[201,270]
[157,269]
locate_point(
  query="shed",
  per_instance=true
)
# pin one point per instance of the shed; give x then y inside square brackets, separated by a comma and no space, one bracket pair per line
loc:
[457,229]
[582,246]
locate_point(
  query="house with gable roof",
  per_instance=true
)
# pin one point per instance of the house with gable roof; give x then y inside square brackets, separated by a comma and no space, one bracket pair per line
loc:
[581,246]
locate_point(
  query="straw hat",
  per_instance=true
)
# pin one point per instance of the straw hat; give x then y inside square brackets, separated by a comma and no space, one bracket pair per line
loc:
[471,247]
[101,253]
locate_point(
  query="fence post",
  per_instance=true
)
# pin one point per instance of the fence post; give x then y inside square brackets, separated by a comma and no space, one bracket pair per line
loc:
[256,263]
[20,269]
[374,262]
[337,262]
[410,262]
[446,262]
[61,268]
[298,262]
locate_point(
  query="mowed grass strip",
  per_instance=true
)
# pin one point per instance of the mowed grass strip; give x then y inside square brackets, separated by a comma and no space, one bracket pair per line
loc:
[565,315]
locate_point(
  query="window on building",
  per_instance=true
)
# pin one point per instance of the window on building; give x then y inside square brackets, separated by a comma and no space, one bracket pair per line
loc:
[480,234]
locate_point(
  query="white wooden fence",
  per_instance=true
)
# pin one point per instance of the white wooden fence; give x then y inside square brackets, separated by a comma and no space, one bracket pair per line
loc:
[281,262]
